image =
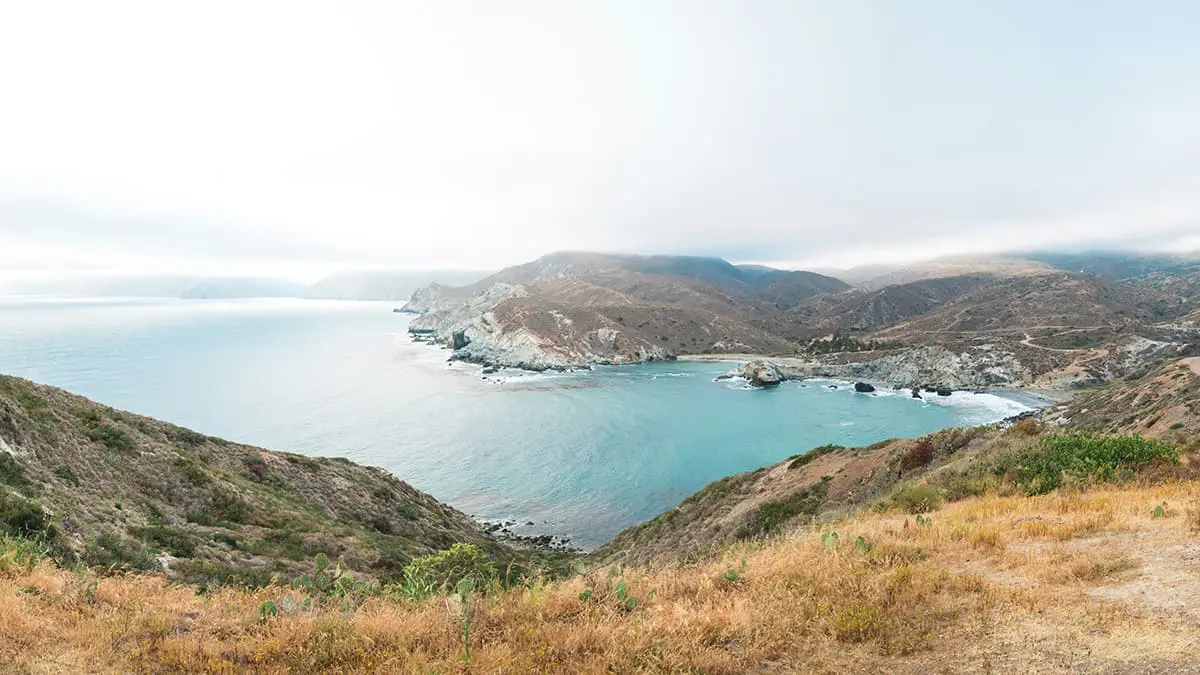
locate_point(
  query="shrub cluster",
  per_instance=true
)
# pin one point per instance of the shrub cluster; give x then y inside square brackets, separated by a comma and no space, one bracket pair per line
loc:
[1086,455]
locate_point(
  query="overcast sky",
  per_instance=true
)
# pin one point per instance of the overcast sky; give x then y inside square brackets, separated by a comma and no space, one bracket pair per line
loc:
[297,137]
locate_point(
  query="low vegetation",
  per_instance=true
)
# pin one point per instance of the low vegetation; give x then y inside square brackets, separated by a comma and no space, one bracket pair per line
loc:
[951,590]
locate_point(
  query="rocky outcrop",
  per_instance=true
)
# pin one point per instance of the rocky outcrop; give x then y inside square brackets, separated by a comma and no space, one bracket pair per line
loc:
[863,387]
[979,367]
[762,374]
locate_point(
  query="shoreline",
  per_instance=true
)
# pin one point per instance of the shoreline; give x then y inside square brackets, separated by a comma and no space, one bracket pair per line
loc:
[1035,396]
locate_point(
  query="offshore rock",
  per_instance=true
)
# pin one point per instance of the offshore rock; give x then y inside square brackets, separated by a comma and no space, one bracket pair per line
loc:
[863,387]
[762,374]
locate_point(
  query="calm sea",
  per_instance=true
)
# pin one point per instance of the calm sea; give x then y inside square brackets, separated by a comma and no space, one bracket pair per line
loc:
[580,455]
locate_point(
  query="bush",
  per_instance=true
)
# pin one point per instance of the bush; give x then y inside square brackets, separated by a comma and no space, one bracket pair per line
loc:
[24,518]
[11,472]
[18,555]
[916,498]
[222,508]
[1086,455]
[111,436]
[444,570]
[803,459]
[112,552]
[919,455]
[771,515]
[178,543]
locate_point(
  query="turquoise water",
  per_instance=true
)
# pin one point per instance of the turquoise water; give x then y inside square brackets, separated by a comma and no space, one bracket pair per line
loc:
[580,455]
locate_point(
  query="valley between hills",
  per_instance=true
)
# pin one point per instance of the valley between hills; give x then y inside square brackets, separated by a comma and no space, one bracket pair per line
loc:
[1066,542]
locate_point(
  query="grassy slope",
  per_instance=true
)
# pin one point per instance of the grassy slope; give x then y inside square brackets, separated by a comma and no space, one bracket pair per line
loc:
[1072,581]
[123,489]
[1087,578]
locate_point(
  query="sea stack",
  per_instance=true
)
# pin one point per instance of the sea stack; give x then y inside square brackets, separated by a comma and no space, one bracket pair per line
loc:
[762,374]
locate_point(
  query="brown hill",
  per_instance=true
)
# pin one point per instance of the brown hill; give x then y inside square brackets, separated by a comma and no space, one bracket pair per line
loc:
[572,309]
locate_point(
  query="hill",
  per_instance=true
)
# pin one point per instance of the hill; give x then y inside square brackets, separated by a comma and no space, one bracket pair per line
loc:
[1026,324]
[875,277]
[110,488]
[577,309]
[1030,548]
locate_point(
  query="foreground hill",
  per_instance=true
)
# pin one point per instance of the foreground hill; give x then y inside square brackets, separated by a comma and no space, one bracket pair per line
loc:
[110,488]
[951,569]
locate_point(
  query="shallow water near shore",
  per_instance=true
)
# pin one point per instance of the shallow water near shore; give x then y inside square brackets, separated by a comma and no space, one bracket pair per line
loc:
[581,455]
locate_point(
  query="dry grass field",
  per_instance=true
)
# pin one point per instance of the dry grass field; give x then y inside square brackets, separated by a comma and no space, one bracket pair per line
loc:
[1074,581]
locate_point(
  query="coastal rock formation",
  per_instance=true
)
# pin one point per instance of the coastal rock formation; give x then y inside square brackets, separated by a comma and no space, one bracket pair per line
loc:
[571,310]
[863,387]
[762,374]
[980,367]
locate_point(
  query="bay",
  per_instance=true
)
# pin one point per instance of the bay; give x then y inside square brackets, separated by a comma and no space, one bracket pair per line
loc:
[581,455]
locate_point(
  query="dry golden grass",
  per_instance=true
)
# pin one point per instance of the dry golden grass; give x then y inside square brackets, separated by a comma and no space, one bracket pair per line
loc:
[992,583]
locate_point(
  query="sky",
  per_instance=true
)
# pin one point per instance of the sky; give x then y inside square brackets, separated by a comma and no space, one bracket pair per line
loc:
[293,138]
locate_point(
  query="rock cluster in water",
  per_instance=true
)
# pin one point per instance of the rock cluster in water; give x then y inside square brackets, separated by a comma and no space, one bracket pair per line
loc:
[502,531]
[762,374]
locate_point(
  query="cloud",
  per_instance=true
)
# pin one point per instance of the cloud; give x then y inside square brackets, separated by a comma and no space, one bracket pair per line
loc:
[270,135]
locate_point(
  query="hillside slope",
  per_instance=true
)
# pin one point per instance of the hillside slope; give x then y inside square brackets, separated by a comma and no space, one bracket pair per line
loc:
[832,480]
[578,309]
[113,488]
[1021,324]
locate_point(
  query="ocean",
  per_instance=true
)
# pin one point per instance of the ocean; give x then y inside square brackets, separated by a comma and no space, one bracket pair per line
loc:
[580,455]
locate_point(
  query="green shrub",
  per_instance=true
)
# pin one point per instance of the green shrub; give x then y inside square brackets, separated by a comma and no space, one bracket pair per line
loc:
[112,552]
[111,436]
[911,498]
[442,571]
[179,543]
[19,555]
[772,514]
[186,436]
[191,470]
[222,508]
[807,457]
[11,472]
[66,473]
[204,574]
[1086,455]
[24,518]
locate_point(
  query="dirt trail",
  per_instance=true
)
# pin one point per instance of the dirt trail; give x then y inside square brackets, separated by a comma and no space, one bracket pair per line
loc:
[1193,363]
[1028,342]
